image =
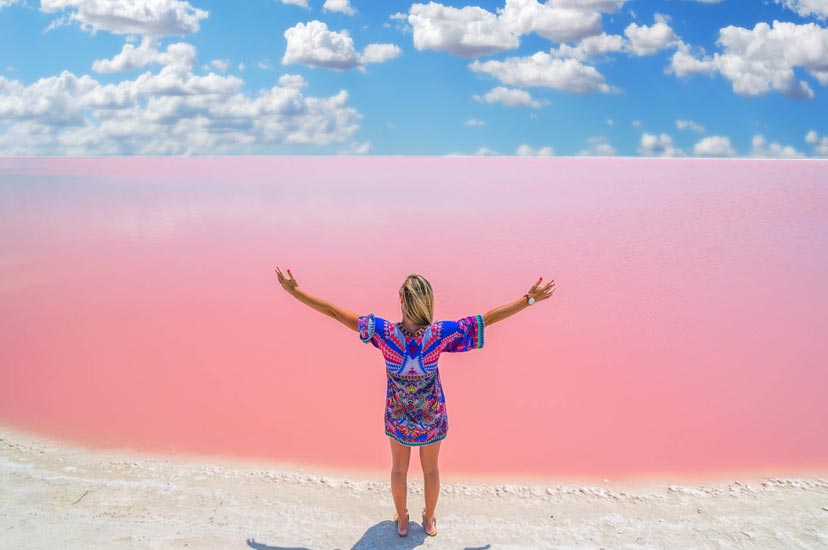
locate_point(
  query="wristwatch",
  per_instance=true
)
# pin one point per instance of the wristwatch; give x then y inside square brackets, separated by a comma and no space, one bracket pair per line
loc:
[530,299]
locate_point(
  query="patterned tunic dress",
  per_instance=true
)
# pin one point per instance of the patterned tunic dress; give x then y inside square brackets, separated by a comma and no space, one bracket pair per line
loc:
[415,406]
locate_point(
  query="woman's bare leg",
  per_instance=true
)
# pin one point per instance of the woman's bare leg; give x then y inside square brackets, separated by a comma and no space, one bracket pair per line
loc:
[400,455]
[431,480]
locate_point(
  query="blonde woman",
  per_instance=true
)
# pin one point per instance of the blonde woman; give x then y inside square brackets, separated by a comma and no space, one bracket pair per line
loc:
[415,407]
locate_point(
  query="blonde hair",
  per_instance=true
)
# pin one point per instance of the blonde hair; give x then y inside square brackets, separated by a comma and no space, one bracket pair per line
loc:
[418,299]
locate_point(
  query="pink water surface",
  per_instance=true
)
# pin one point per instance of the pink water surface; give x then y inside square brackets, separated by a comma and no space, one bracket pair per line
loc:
[140,308]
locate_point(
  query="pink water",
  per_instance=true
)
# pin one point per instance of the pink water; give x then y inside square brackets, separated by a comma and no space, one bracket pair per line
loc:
[140,308]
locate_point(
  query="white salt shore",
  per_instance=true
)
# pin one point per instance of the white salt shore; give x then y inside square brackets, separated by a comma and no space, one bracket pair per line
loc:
[58,496]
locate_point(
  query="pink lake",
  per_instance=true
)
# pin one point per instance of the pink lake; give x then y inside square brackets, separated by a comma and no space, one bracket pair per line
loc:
[140,308]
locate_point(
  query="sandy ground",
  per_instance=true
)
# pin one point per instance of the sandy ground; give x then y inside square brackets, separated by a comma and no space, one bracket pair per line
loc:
[59,496]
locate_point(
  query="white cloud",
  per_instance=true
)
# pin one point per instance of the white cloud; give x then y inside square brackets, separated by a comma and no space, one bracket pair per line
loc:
[146,53]
[662,146]
[591,46]
[240,66]
[819,143]
[511,97]
[142,17]
[469,31]
[220,64]
[7,3]
[541,69]
[485,151]
[806,8]
[358,149]
[264,64]
[294,81]
[171,112]
[475,122]
[377,53]
[610,122]
[300,3]
[528,151]
[762,59]
[714,146]
[341,6]
[636,123]
[598,146]
[760,148]
[314,45]
[689,125]
[472,31]
[644,40]
[559,21]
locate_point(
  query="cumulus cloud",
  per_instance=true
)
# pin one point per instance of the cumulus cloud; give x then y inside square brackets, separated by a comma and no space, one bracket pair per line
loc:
[689,125]
[469,31]
[559,21]
[314,45]
[598,146]
[472,31]
[7,3]
[819,143]
[760,148]
[142,17]
[644,40]
[171,112]
[661,146]
[763,59]
[544,70]
[807,8]
[292,81]
[511,97]
[357,149]
[341,6]
[529,151]
[638,40]
[220,64]
[146,53]
[714,146]
[591,46]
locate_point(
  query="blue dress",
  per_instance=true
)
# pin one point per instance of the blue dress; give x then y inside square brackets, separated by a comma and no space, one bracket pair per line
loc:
[415,405]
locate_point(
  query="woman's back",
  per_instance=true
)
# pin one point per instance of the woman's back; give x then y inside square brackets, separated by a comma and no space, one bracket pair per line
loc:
[416,354]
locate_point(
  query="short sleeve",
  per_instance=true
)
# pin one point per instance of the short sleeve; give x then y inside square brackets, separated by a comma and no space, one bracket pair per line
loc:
[371,328]
[462,335]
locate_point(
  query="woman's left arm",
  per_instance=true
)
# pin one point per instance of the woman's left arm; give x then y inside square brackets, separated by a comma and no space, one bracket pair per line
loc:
[347,318]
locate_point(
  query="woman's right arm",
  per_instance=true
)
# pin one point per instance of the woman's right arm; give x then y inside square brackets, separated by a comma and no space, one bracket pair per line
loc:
[502,312]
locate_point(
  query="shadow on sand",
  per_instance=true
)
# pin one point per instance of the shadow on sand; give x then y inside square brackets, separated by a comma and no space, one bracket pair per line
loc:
[378,537]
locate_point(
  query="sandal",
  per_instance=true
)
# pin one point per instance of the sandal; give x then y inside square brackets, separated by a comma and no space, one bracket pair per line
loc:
[434,521]
[396,523]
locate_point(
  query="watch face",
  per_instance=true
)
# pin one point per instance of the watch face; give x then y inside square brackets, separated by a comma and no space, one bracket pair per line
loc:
[531,300]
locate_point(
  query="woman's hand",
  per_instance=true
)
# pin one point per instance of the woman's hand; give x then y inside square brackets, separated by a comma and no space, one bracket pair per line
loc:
[542,293]
[288,283]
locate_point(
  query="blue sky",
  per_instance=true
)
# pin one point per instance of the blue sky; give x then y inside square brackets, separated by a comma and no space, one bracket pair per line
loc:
[322,77]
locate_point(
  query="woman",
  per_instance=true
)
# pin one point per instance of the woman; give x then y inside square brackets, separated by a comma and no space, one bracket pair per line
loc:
[415,411]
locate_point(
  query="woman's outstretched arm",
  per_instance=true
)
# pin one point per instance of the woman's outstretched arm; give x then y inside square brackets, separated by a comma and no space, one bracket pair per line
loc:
[502,312]
[347,318]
